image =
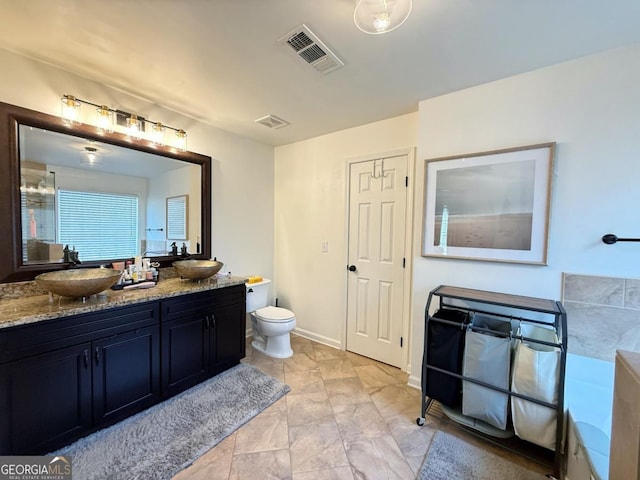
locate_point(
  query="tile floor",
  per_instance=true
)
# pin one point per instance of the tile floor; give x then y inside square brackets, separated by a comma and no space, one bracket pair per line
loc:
[346,417]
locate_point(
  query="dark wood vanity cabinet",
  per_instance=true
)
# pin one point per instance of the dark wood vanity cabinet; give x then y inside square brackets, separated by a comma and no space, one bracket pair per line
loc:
[45,400]
[185,342]
[126,374]
[202,335]
[229,336]
[62,379]
[54,389]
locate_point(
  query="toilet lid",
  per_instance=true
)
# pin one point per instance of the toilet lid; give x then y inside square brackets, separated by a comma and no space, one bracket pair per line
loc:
[274,314]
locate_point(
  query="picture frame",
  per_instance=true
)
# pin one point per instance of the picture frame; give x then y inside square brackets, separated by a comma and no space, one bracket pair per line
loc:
[489,206]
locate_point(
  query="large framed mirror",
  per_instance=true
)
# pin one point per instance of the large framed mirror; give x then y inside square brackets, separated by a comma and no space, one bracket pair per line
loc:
[101,194]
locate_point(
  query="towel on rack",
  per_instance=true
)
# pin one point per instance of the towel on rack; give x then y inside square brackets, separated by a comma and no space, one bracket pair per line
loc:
[487,358]
[536,372]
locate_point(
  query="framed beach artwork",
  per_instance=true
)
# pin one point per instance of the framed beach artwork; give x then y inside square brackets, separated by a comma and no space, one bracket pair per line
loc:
[491,206]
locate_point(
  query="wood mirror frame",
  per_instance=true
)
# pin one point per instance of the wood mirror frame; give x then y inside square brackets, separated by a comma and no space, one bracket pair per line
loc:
[12,268]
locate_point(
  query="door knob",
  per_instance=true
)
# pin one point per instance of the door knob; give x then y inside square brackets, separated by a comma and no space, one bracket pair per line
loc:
[352,268]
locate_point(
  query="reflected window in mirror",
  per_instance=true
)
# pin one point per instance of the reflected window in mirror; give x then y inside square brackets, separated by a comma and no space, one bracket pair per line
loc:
[99,224]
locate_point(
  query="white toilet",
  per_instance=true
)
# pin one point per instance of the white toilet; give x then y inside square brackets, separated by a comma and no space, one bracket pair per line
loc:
[270,325]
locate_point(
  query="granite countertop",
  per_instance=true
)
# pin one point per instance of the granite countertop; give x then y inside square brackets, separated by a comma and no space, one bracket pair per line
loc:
[30,309]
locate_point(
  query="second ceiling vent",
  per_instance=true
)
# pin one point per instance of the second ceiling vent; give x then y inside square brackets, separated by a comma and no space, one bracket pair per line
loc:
[309,48]
[272,121]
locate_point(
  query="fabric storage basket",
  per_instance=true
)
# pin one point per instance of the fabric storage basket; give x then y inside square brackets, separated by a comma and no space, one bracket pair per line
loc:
[487,358]
[444,350]
[536,369]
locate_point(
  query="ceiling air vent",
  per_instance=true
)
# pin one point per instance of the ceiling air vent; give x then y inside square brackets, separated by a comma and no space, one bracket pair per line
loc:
[308,47]
[272,121]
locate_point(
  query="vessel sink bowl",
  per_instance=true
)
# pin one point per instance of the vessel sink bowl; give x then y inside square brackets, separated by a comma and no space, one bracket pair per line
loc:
[197,269]
[80,282]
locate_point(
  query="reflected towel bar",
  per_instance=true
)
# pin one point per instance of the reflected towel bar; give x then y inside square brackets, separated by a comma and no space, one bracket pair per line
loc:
[610,239]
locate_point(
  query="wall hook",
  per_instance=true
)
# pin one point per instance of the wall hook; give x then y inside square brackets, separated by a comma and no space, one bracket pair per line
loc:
[610,239]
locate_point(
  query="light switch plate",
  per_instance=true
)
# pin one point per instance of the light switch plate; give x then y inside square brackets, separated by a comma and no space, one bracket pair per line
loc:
[324,246]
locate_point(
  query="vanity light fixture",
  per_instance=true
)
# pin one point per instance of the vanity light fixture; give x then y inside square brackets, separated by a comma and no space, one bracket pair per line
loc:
[157,133]
[134,125]
[181,143]
[381,16]
[104,119]
[70,109]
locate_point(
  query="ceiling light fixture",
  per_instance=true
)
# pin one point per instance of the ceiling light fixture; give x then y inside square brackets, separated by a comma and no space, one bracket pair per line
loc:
[132,124]
[381,16]
[91,159]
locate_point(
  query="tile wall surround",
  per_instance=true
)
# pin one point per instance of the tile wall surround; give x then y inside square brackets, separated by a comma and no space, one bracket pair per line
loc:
[603,314]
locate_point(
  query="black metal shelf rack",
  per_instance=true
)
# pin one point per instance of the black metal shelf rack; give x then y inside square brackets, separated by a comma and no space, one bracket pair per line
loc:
[513,307]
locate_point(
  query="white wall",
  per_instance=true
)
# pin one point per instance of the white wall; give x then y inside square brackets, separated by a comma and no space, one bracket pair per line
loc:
[310,205]
[242,183]
[590,108]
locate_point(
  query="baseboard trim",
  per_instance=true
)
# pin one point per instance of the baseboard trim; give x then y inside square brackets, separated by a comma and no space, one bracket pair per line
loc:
[318,338]
[414,382]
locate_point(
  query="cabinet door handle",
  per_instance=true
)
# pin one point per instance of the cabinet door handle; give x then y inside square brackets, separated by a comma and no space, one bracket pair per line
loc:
[213,320]
[86,358]
[207,322]
[97,355]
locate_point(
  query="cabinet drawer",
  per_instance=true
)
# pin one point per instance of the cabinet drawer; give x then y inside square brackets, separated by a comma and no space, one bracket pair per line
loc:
[230,295]
[186,305]
[28,340]
[190,304]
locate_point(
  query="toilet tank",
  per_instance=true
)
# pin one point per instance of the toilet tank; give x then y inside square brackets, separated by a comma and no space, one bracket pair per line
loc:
[257,295]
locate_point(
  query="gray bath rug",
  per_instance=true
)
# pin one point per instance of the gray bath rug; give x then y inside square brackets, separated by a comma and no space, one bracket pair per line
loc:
[161,441]
[450,458]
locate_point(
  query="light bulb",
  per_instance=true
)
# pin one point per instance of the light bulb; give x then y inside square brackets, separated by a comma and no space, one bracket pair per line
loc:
[157,133]
[381,16]
[381,21]
[104,119]
[181,141]
[70,109]
[134,126]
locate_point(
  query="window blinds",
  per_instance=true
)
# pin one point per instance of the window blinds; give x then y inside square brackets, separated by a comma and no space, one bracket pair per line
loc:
[99,225]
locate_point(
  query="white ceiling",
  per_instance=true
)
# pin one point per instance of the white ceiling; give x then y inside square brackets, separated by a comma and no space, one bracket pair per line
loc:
[219,60]
[60,149]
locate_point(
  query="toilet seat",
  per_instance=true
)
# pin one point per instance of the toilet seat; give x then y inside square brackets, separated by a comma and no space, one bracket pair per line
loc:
[274,314]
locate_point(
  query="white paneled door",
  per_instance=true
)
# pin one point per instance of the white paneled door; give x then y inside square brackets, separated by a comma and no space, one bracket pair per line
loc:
[377,211]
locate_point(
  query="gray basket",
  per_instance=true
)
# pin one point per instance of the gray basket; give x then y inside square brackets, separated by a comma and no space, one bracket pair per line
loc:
[487,358]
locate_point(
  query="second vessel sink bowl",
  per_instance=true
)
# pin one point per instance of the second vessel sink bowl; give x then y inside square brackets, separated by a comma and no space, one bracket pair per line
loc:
[197,269]
[80,282]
